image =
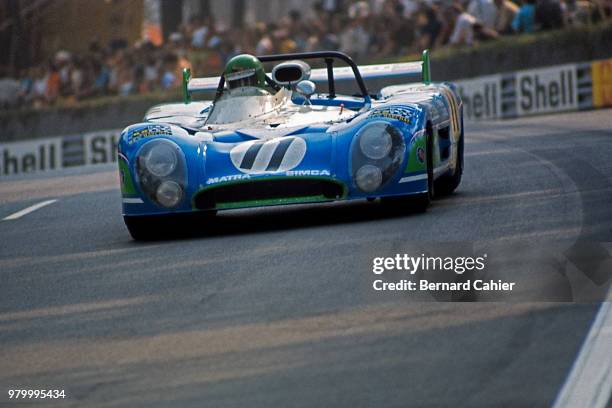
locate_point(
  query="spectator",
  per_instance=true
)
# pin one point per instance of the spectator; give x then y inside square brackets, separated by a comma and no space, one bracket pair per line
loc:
[506,10]
[200,32]
[124,76]
[579,13]
[549,14]
[363,29]
[604,8]
[102,78]
[482,33]
[355,39]
[398,31]
[26,85]
[297,30]
[484,11]
[448,18]
[524,20]
[266,43]
[9,89]
[429,26]
[53,84]
[329,40]
[322,18]
[39,87]
[76,77]
[169,78]
[463,32]
[283,37]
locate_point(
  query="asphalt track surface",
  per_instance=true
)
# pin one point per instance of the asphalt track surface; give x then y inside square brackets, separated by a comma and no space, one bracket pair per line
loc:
[274,307]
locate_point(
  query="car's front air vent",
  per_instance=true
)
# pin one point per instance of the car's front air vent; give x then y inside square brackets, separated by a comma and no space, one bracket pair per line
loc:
[269,191]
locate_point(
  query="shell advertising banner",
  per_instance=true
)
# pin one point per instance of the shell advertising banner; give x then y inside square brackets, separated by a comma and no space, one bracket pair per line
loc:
[601,72]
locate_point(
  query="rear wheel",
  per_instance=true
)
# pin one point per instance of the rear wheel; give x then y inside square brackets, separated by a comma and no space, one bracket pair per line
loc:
[448,183]
[422,201]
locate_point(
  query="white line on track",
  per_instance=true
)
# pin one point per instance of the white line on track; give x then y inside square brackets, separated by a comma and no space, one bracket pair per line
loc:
[589,384]
[28,210]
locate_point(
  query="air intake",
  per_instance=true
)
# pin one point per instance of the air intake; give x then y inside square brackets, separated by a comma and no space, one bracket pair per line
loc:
[269,192]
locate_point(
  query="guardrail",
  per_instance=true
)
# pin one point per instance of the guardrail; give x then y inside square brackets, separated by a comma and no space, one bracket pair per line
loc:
[59,152]
[560,88]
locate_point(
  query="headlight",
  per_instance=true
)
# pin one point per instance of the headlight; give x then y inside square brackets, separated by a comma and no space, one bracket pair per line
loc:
[162,172]
[375,142]
[377,153]
[169,193]
[368,178]
[161,160]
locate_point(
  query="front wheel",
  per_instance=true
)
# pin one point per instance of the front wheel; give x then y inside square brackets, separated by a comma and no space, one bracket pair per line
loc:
[142,228]
[414,203]
[420,202]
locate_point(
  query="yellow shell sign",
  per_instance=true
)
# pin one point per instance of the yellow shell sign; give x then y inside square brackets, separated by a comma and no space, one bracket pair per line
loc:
[601,72]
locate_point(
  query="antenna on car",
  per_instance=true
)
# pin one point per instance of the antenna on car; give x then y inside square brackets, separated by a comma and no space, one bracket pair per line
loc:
[186,78]
[426,70]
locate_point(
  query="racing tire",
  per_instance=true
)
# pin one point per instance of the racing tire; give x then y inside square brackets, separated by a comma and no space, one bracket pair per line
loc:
[157,227]
[142,228]
[448,183]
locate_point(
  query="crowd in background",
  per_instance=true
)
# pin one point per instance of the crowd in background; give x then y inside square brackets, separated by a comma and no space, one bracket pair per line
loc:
[366,30]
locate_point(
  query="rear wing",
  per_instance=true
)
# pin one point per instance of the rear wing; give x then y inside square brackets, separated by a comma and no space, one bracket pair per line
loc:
[374,76]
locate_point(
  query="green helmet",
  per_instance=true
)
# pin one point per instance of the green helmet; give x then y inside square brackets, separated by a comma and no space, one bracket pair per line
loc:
[244,70]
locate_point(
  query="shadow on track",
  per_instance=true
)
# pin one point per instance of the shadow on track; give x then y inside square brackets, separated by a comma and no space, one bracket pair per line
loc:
[269,219]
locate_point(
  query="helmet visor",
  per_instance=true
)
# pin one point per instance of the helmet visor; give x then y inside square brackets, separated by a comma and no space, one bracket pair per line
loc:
[238,79]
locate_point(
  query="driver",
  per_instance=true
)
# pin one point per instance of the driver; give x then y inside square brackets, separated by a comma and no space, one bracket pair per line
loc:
[245,74]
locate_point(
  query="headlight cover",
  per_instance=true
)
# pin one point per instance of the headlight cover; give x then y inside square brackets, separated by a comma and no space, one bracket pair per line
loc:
[169,193]
[161,160]
[368,178]
[377,153]
[162,172]
[375,142]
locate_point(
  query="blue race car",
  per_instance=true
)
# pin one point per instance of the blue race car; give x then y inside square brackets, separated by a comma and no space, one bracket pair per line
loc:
[271,139]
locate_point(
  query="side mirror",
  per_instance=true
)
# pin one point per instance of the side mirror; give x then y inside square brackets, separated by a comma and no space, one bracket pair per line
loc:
[306,89]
